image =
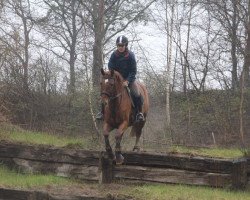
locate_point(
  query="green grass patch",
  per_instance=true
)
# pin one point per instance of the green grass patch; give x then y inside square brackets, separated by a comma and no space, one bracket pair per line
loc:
[209,152]
[182,192]
[11,178]
[15,134]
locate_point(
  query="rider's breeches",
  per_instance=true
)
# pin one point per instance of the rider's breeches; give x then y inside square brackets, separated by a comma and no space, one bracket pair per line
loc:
[135,93]
[134,89]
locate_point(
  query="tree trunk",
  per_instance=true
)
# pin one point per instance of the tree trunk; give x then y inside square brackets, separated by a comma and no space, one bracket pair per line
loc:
[26,55]
[245,77]
[72,73]
[168,67]
[246,67]
[72,53]
[97,48]
[187,70]
[235,83]
[234,62]
[187,48]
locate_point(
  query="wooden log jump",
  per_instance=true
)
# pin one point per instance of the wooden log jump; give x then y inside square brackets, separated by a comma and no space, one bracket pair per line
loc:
[138,167]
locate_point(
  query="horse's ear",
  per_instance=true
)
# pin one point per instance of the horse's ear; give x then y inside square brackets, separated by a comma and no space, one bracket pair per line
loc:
[112,72]
[102,71]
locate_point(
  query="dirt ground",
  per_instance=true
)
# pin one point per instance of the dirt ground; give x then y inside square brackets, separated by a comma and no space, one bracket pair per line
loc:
[109,191]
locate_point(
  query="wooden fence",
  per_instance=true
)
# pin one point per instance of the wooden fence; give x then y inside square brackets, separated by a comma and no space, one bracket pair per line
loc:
[138,167]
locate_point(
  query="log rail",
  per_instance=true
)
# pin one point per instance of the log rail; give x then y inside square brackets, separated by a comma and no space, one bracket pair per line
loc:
[138,167]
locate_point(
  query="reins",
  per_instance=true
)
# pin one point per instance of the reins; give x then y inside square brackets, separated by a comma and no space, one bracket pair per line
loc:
[111,97]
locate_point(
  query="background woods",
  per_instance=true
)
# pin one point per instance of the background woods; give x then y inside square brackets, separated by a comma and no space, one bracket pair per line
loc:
[192,55]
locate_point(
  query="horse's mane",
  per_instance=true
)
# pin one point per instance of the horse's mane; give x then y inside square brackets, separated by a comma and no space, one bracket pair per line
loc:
[107,74]
[118,76]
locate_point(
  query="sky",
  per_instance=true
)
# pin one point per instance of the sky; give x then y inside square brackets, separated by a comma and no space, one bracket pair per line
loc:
[149,43]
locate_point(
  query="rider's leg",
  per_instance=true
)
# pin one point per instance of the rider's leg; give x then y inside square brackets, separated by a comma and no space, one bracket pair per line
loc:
[138,100]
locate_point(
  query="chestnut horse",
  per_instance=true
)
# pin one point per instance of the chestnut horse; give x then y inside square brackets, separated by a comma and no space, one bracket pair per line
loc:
[119,113]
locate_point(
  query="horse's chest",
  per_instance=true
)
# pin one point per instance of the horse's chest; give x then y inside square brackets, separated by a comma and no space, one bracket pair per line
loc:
[115,122]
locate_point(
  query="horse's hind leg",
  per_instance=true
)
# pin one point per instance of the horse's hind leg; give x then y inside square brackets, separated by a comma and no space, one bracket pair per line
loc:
[137,131]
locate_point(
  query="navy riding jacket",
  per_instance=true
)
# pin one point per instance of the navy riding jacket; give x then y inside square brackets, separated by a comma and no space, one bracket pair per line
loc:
[124,63]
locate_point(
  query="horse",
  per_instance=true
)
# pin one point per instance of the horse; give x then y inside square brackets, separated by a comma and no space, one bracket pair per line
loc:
[119,113]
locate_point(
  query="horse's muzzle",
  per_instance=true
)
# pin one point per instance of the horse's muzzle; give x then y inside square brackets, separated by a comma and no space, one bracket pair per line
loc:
[105,98]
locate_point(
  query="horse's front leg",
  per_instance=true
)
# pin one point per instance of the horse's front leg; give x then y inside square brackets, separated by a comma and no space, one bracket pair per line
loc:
[118,137]
[106,130]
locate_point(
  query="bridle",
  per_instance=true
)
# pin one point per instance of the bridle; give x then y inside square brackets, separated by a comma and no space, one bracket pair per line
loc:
[110,97]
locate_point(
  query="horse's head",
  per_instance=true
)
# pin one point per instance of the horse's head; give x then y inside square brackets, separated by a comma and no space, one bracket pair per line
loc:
[110,84]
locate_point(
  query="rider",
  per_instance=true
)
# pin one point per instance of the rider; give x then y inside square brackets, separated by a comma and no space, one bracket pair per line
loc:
[123,61]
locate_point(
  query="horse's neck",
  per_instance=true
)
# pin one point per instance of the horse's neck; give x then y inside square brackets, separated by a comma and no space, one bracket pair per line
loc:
[119,102]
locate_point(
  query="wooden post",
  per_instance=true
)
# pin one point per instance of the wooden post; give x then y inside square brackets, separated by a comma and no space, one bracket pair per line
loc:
[106,168]
[239,174]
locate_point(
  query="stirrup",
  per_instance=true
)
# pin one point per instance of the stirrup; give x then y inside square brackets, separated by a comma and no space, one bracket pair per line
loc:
[140,117]
[99,116]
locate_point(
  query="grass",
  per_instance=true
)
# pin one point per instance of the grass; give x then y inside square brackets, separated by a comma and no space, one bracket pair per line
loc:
[183,192]
[16,134]
[210,152]
[10,178]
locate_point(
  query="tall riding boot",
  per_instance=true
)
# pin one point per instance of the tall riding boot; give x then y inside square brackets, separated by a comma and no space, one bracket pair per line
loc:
[139,103]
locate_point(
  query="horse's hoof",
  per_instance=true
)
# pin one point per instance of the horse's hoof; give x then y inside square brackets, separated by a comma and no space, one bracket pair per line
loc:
[136,149]
[119,159]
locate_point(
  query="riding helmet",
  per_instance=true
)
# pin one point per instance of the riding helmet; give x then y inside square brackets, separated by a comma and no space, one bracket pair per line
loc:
[122,40]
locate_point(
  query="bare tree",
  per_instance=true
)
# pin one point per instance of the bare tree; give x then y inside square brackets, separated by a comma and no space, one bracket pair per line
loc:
[63,26]
[16,38]
[108,18]
[226,12]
